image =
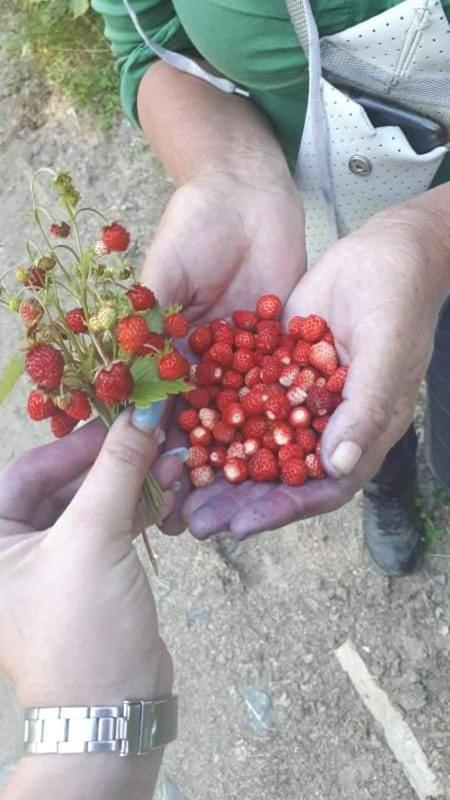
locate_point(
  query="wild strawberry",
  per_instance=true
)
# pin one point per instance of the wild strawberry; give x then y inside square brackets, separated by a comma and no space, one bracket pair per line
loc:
[62,230]
[296,396]
[132,332]
[232,379]
[277,407]
[208,373]
[103,320]
[235,470]
[141,297]
[176,326]
[225,397]
[222,331]
[244,340]
[44,364]
[61,424]
[35,277]
[201,476]
[251,446]
[243,361]
[115,237]
[282,434]
[222,353]
[267,341]
[200,339]
[114,384]
[287,343]
[294,472]
[76,320]
[188,419]
[306,378]
[320,381]
[245,319]
[234,415]
[276,389]
[198,398]
[208,417]
[253,376]
[289,451]
[314,466]
[79,407]
[217,457]
[306,438]
[173,366]
[198,456]
[153,345]
[269,307]
[100,249]
[328,337]
[301,353]
[282,355]
[270,370]
[320,423]
[323,356]
[295,327]
[243,392]
[300,417]
[254,402]
[236,450]
[40,406]
[268,442]
[320,401]
[263,466]
[288,375]
[337,380]
[312,328]
[254,428]
[272,326]
[200,435]
[31,312]
[223,433]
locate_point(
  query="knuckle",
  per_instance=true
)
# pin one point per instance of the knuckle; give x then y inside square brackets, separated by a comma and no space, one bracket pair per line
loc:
[118,456]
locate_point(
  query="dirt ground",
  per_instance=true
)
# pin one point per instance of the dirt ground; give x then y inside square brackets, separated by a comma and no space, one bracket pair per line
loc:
[266,710]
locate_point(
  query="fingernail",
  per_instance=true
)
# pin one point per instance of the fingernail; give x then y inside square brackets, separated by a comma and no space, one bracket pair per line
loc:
[182,453]
[161,437]
[176,486]
[346,457]
[147,419]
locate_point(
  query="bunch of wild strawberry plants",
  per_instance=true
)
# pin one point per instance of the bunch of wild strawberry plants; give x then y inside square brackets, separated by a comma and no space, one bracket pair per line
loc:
[95,340]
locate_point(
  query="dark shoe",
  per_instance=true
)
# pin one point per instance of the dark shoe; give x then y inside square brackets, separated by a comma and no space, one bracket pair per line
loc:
[392,533]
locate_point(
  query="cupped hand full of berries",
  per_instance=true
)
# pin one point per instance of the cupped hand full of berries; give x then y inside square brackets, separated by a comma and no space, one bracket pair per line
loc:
[374,291]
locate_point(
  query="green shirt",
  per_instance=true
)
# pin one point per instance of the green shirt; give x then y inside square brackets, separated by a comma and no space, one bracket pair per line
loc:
[252,42]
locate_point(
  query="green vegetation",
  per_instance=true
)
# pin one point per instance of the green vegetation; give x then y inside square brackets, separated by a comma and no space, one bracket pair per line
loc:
[433,513]
[60,43]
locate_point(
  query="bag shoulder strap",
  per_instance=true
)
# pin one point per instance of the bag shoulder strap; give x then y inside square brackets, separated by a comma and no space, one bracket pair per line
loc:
[297,13]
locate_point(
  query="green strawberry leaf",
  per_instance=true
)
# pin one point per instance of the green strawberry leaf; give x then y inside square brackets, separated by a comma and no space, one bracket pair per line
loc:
[144,370]
[155,319]
[11,374]
[147,393]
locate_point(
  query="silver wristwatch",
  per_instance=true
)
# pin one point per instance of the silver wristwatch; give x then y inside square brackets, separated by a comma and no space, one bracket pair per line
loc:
[134,728]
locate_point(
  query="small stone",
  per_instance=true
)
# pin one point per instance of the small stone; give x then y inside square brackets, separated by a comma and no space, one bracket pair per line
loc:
[170,791]
[196,614]
[259,707]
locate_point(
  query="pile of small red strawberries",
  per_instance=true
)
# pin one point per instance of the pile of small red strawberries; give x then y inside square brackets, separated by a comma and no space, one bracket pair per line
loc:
[263,396]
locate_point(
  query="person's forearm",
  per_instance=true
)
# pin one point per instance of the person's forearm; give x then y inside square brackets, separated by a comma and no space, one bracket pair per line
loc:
[77,777]
[195,129]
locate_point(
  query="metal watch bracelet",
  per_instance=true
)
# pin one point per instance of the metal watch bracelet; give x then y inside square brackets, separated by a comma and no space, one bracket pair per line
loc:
[134,728]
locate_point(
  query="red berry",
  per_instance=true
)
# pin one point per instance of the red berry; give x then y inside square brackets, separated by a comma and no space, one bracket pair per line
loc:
[251,446]
[289,375]
[267,341]
[269,442]
[306,378]
[61,424]
[208,417]
[225,397]
[234,415]
[300,417]
[337,380]
[272,326]
[255,427]
[288,451]
[35,277]
[201,476]
[198,398]
[307,439]
[217,457]
[270,370]
[301,353]
[31,312]
[45,366]
[62,230]
[295,327]
[277,407]
[208,373]
[236,450]
[232,379]
[253,376]
[222,353]
[40,406]
[245,319]
[235,470]
[79,407]
[223,433]
[198,456]
[282,434]
[283,355]
[115,237]
[294,472]
[153,345]
[200,435]
[173,366]
[269,307]
[132,332]
[140,297]
[188,419]
[176,326]
[328,337]
[76,320]
[263,466]
[213,392]
[254,402]
[296,396]
[200,339]
[243,360]
[114,384]
[222,331]
[320,423]
[320,381]
[244,340]
[320,401]
[312,328]
[323,356]
[314,466]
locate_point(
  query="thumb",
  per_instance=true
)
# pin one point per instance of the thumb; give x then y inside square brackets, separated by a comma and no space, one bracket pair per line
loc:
[107,499]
